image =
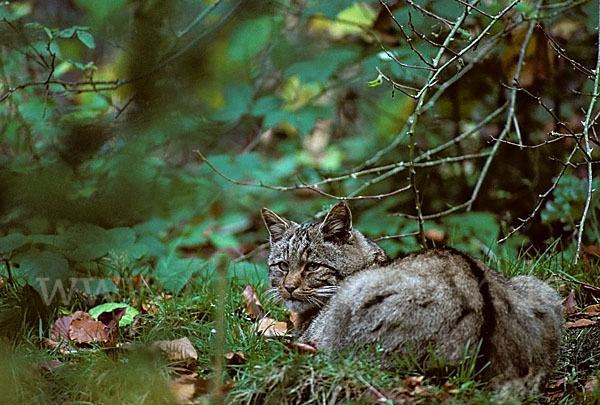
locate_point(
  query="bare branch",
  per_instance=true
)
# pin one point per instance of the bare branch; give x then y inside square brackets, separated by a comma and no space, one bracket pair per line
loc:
[588,149]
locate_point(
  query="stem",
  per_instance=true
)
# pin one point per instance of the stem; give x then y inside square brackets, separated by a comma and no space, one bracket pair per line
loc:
[588,149]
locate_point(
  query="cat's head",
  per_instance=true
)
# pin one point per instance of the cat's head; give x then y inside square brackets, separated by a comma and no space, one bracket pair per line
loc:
[308,261]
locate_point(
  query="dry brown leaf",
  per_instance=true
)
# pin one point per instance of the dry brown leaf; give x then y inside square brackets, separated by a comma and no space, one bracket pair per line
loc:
[556,390]
[87,330]
[412,384]
[270,327]
[581,323]
[306,348]
[49,365]
[60,329]
[254,308]
[436,235]
[592,310]
[178,350]
[591,384]
[186,388]
[592,289]
[591,250]
[293,317]
[235,358]
[570,304]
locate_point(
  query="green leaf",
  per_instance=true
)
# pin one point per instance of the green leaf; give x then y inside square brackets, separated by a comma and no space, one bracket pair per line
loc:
[43,270]
[58,241]
[265,105]
[323,67]
[250,38]
[223,241]
[86,38]
[65,33]
[147,245]
[121,238]
[91,242]
[12,242]
[329,9]
[304,120]
[94,286]
[376,82]
[173,273]
[127,319]
[238,97]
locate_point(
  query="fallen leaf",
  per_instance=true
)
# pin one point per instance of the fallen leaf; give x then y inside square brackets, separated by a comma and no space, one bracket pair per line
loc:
[60,330]
[254,308]
[235,358]
[49,365]
[186,388]
[178,350]
[110,320]
[591,250]
[592,289]
[592,310]
[305,348]
[591,385]
[436,235]
[581,323]
[293,317]
[270,327]
[412,384]
[87,330]
[556,390]
[570,304]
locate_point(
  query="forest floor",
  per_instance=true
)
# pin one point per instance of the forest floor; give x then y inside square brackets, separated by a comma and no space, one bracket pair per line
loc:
[219,321]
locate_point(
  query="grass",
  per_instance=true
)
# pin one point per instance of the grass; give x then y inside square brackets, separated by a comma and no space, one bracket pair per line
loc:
[273,372]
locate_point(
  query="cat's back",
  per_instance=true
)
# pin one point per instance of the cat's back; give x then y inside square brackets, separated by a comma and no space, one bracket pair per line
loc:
[400,306]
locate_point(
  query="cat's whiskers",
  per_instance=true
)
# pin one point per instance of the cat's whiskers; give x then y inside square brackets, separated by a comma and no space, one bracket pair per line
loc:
[273,293]
[327,291]
[315,301]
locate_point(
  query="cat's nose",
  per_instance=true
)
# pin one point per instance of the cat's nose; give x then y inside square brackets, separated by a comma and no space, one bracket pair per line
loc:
[291,284]
[290,287]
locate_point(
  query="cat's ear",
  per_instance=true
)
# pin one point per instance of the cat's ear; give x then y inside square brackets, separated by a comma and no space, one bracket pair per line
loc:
[337,225]
[275,224]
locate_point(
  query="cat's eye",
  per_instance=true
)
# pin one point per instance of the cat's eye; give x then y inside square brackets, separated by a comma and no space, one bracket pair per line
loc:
[311,266]
[283,266]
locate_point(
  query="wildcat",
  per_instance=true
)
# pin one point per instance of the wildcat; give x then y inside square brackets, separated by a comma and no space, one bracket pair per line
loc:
[347,294]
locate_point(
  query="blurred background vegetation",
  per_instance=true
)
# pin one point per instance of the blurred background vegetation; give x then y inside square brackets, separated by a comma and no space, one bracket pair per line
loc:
[140,138]
[107,102]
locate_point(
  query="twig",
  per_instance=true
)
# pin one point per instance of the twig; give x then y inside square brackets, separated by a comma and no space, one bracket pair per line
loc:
[511,108]
[360,197]
[541,199]
[470,6]
[588,149]
[251,253]
[433,80]
[430,14]
[560,51]
[407,38]
[400,236]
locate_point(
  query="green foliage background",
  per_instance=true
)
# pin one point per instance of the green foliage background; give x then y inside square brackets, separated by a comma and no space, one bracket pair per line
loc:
[106,103]
[109,108]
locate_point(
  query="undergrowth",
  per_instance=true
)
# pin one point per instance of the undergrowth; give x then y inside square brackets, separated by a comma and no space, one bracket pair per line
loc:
[273,371]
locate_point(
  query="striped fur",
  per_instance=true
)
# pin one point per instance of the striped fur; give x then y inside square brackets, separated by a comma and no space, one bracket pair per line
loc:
[348,294]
